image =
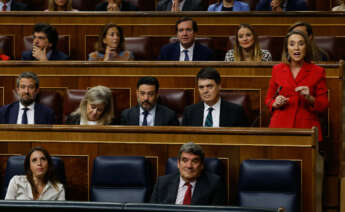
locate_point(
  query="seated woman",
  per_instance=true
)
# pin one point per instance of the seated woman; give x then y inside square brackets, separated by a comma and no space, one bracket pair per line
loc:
[96,108]
[229,5]
[60,5]
[247,46]
[110,45]
[340,7]
[39,183]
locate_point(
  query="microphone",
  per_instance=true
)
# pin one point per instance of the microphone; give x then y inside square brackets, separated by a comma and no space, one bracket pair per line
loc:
[274,96]
[277,92]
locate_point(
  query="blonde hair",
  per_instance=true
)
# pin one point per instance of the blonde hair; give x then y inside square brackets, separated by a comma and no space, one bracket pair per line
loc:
[256,53]
[97,95]
[53,7]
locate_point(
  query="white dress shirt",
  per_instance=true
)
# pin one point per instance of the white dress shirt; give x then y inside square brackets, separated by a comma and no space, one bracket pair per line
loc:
[180,4]
[30,113]
[150,116]
[19,188]
[215,113]
[182,188]
[8,4]
[190,52]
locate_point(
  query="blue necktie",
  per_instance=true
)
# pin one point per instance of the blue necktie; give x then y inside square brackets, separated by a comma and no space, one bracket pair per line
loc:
[25,116]
[209,121]
[186,57]
[145,118]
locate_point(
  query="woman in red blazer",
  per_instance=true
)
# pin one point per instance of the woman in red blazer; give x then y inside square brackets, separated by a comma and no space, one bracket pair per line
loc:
[297,91]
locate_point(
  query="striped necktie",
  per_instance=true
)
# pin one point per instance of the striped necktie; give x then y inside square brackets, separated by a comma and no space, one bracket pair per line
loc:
[209,120]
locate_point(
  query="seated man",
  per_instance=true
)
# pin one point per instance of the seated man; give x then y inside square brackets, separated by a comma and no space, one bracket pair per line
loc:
[12,5]
[44,45]
[148,112]
[212,111]
[26,111]
[116,5]
[186,49]
[180,5]
[191,185]
[287,5]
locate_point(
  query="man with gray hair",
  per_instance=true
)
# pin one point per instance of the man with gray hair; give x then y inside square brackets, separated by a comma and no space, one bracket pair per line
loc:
[191,185]
[26,110]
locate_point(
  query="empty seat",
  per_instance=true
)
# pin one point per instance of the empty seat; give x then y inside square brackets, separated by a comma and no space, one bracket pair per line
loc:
[120,179]
[140,46]
[270,184]
[15,166]
[176,99]
[213,165]
[7,45]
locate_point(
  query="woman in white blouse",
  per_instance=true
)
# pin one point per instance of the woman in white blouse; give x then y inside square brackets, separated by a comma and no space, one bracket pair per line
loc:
[39,183]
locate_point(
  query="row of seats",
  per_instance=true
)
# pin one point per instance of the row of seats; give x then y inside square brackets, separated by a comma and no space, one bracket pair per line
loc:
[147,48]
[175,99]
[262,183]
[90,5]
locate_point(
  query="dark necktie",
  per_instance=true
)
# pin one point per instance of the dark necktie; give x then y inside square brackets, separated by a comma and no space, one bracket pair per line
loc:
[4,7]
[209,120]
[25,116]
[186,57]
[188,195]
[145,118]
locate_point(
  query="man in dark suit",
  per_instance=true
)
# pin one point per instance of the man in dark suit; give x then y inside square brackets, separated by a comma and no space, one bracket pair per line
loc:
[180,5]
[212,111]
[186,49]
[7,5]
[147,112]
[44,45]
[26,111]
[116,5]
[191,185]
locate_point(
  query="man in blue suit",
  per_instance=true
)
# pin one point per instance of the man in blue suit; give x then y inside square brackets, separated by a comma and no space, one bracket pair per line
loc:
[44,45]
[26,110]
[186,48]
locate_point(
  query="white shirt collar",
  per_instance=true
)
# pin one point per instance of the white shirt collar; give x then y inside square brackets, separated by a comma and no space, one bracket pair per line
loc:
[190,49]
[215,106]
[30,107]
[182,183]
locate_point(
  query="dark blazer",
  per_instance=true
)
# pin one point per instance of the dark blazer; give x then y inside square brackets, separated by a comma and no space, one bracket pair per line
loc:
[75,120]
[125,6]
[56,55]
[43,114]
[231,115]
[209,190]
[163,117]
[171,51]
[189,5]
[295,5]
[18,6]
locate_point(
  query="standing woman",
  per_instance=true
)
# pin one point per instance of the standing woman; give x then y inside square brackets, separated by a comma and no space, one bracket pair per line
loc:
[110,45]
[297,90]
[247,46]
[39,183]
[60,5]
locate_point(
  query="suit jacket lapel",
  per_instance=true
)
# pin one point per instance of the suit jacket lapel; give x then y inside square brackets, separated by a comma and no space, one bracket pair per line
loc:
[287,76]
[176,55]
[173,187]
[158,116]
[37,118]
[200,113]
[196,51]
[136,115]
[13,114]
[223,113]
